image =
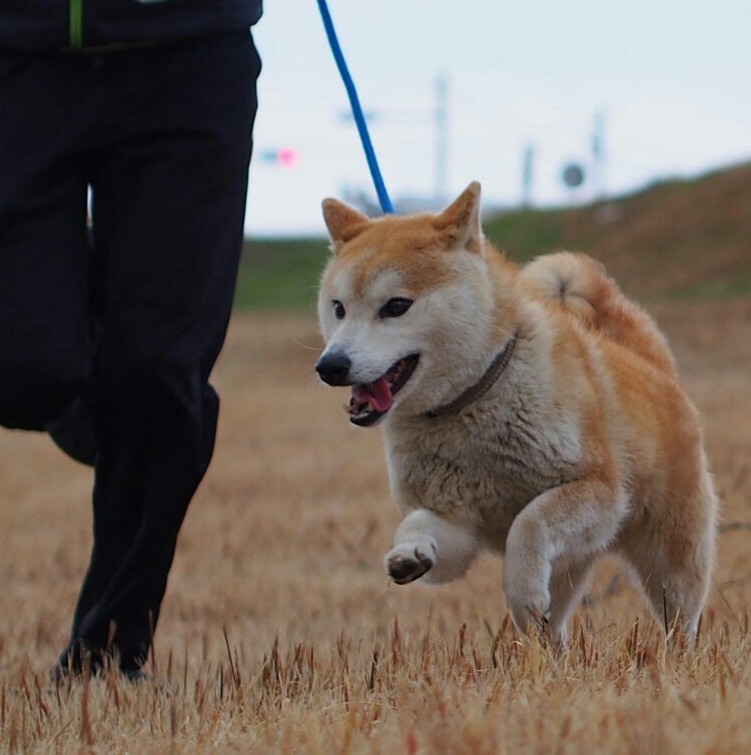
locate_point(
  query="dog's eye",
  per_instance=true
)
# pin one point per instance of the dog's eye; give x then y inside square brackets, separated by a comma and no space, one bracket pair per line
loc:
[395,307]
[338,309]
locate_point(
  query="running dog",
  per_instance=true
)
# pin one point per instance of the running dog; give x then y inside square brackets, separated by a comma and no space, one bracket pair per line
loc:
[535,412]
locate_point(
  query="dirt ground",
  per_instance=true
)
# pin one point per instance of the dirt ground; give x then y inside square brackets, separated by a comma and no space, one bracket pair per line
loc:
[282,551]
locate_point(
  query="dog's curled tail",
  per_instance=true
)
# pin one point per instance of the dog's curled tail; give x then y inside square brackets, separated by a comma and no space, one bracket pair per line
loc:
[582,287]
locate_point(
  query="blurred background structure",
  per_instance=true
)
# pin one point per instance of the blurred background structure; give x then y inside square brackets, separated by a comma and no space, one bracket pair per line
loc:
[508,94]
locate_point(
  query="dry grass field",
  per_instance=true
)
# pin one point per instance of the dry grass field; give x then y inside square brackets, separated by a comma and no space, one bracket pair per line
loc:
[281,633]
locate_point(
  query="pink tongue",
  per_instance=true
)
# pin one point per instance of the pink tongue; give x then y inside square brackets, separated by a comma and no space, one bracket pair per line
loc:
[377,394]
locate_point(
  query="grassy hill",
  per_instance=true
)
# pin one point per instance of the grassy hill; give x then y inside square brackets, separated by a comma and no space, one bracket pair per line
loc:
[280,274]
[676,239]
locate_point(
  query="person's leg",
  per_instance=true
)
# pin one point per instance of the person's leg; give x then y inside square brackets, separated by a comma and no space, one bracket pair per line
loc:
[169,204]
[73,430]
[43,256]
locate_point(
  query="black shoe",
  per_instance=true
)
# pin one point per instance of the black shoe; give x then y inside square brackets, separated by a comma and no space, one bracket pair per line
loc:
[73,432]
[60,673]
[77,662]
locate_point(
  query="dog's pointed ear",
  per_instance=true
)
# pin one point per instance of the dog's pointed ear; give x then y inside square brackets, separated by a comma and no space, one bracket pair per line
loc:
[343,222]
[460,221]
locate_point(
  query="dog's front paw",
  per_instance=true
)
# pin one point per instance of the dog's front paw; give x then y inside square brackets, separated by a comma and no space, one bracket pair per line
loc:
[529,608]
[407,563]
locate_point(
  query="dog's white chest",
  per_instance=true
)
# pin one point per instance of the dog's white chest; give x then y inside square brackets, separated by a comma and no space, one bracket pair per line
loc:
[478,472]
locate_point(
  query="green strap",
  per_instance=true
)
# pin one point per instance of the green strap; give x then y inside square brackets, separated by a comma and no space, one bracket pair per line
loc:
[75,24]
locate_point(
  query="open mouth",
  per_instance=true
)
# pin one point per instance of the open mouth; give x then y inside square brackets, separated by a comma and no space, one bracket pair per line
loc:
[370,401]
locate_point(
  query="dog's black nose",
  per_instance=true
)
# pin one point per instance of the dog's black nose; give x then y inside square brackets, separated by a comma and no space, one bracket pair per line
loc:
[334,368]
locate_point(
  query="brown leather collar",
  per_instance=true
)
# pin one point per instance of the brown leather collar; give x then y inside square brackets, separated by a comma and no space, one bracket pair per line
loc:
[482,386]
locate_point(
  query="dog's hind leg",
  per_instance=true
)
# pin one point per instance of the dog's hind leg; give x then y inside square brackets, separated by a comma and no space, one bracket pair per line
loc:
[672,550]
[676,591]
[425,544]
[675,577]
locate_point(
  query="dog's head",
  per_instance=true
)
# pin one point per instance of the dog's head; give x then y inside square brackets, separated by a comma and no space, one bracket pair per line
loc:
[406,306]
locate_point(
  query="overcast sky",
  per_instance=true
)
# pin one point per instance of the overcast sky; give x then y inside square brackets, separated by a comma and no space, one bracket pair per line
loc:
[671,80]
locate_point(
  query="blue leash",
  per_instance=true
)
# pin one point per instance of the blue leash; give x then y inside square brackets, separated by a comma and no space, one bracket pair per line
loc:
[354,101]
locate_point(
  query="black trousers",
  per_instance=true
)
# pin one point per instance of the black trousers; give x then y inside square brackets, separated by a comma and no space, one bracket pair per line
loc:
[162,135]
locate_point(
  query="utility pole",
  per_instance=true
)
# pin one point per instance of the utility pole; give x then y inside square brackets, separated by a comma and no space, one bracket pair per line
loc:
[528,175]
[598,155]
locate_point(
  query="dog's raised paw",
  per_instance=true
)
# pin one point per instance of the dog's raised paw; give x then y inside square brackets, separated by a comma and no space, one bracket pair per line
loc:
[404,568]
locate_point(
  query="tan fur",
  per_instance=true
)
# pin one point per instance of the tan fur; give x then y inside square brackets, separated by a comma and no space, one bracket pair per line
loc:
[581,286]
[586,444]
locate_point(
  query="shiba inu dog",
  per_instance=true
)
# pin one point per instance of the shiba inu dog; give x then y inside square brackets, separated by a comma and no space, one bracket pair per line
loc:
[532,411]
